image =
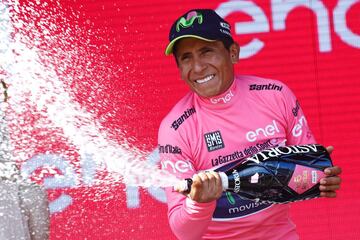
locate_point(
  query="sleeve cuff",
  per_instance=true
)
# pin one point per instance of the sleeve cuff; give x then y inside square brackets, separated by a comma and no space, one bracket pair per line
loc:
[199,210]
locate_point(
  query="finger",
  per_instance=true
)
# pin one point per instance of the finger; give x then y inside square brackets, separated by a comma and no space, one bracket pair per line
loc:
[203,176]
[204,179]
[213,180]
[211,175]
[328,181]
[331,188]
[197,181]
[206,193]
[329,149]
[215,188]
[328,194]
[219,188]
[196,188]
[333,171]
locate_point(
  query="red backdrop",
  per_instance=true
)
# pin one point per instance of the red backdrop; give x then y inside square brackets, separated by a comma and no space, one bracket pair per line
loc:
[313,46]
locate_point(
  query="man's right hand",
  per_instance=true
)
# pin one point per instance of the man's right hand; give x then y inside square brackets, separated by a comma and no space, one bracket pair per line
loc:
[206,187]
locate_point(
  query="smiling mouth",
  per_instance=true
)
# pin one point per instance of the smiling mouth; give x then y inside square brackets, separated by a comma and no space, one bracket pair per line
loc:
[205,79]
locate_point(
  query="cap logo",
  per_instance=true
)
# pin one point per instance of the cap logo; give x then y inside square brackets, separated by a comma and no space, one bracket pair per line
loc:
[225,25]
[190,18]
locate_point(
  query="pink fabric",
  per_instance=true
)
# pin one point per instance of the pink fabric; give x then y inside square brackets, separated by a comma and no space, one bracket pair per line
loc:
[212,133]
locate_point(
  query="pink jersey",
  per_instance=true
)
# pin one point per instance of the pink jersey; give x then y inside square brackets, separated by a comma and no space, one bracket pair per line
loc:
[216,133]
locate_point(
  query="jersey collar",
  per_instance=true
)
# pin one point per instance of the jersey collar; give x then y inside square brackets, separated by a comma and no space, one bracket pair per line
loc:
[222,100]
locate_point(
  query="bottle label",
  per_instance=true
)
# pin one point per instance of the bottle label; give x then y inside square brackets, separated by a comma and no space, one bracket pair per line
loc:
[231,206]
[280,151]
[304,178]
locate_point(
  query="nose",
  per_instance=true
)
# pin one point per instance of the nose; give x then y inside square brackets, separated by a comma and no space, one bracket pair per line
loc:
[198,65]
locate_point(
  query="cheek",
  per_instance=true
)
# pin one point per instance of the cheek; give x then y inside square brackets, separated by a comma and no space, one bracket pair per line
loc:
[183,73]
[227,66]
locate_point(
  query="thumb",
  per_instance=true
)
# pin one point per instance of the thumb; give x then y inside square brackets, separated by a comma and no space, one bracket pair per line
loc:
[330,149]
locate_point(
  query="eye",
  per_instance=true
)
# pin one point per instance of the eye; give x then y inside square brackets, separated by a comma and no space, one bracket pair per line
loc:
[184,57]
[206,51]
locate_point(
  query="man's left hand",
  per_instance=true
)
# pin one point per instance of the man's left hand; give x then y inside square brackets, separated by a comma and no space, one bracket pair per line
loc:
[331,183]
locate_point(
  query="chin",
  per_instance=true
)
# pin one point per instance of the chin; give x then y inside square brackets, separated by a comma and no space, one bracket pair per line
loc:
[207,95]
[210,92]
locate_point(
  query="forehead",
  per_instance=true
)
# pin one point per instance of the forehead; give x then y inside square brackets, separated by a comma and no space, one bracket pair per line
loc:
[193,44]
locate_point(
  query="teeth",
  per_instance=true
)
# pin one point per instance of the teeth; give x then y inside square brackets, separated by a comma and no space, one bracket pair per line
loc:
[206,79]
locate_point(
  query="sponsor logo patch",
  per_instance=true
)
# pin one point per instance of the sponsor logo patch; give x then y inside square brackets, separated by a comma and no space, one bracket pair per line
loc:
[179,166]
[227,158]
[270,86]
[295,110]
[224,99]
[189,20]
[169,149]
[269,130]
[297,131]
[187,113]
[214,141]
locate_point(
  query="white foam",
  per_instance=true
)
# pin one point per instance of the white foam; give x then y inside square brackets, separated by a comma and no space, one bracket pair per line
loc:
[36,87]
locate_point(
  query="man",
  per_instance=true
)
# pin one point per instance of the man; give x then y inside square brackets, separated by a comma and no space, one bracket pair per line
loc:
[224,119]
[24,207]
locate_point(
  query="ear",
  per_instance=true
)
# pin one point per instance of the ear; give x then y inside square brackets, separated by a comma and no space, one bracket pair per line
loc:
[234,52]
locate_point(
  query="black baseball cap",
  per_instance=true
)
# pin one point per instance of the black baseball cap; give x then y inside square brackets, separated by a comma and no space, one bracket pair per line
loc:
[204,24]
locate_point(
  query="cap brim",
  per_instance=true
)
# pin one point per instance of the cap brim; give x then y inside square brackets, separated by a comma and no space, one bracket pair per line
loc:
[170,46]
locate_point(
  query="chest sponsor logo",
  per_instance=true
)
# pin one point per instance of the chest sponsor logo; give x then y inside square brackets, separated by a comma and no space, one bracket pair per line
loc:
[214,141]
[270,86]
[269,130]
[187,113]
[222,159]
[224,99]
[241,154]
[179,166]
[295,110]
[169,149]
[297,130]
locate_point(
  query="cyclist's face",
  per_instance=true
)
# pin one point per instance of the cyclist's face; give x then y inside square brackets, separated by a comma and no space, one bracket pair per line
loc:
[207,67]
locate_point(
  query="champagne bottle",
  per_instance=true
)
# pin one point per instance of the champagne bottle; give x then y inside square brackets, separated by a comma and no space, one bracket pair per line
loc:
[276,175]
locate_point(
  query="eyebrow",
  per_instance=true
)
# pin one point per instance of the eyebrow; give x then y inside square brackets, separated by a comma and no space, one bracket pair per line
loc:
[204,48]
